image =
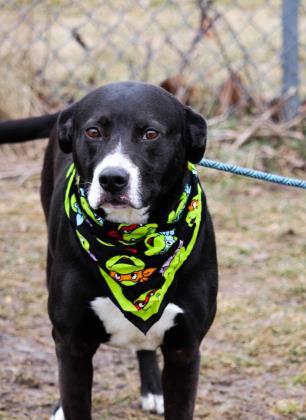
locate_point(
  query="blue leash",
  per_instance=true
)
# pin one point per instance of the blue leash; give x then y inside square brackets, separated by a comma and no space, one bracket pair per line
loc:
[263,176]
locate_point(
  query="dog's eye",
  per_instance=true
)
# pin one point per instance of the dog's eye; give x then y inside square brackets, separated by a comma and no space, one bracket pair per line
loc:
[93,133]
[150,134]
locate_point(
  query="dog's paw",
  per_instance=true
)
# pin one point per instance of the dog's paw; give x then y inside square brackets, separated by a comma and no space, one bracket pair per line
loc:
[58,414]
[153,403]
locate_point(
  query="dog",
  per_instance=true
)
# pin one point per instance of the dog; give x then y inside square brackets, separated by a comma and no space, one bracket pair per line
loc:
[126,150]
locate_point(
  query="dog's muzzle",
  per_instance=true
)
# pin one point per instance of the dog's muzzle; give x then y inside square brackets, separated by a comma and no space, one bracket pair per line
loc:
[116,182]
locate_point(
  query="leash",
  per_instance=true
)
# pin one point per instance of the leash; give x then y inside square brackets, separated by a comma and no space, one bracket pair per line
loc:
[251,173]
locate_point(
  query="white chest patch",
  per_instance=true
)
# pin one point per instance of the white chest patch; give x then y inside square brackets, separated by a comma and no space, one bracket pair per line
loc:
[125,334]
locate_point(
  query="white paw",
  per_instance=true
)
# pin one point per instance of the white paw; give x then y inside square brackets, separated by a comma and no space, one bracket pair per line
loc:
[58,414]
[153,403]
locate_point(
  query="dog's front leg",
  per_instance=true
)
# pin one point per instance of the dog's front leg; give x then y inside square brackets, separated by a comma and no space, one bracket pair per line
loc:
[180,379]
[75,376]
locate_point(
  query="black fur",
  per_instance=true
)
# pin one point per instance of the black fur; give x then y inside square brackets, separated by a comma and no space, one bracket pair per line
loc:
[122,111]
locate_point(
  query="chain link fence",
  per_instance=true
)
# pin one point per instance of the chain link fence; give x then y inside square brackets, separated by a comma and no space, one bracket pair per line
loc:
[214,54]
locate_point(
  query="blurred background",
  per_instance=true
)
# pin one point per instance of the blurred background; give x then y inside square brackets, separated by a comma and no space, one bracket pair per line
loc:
[239,62]
[242,64]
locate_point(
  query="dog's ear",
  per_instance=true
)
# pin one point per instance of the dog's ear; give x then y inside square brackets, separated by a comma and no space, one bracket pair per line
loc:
[64,128]
[195,135]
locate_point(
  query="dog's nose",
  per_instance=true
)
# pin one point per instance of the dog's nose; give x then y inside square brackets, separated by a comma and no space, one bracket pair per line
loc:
[113,180]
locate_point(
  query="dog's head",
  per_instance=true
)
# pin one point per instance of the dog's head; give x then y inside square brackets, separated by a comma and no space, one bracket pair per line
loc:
[130,143]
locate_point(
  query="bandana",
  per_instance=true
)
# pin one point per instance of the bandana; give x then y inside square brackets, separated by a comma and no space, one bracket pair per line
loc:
[137,262]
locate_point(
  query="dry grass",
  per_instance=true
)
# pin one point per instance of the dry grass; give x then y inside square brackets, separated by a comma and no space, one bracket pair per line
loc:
[253,363]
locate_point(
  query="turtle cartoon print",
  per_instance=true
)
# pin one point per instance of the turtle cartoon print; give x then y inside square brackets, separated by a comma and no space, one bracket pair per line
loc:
[129,234]
[76,208]
[84,203]
[193,210]
[144,299]
[85,244]
[160,243]
[128,270]
[175,215]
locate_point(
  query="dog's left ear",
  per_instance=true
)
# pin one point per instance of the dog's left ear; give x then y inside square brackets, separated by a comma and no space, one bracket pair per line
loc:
[64,128]
[195,135]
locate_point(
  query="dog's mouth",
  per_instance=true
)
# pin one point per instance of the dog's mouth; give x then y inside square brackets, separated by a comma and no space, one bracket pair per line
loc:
[119,208]
[109,200]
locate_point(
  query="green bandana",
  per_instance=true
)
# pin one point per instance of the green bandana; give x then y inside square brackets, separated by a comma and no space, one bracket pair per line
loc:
[138,263]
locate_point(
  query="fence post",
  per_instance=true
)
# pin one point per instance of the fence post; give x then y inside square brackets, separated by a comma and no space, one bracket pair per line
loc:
[290,60]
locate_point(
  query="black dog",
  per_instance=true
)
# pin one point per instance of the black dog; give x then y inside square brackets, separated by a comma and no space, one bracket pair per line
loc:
[130,144]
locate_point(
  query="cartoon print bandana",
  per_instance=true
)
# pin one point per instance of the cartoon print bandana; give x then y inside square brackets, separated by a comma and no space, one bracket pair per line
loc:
[137,263]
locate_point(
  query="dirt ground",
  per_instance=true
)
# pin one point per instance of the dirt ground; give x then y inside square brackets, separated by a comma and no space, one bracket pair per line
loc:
[253,359]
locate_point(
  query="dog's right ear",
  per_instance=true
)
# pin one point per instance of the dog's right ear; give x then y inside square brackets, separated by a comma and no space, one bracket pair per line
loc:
[64,128]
